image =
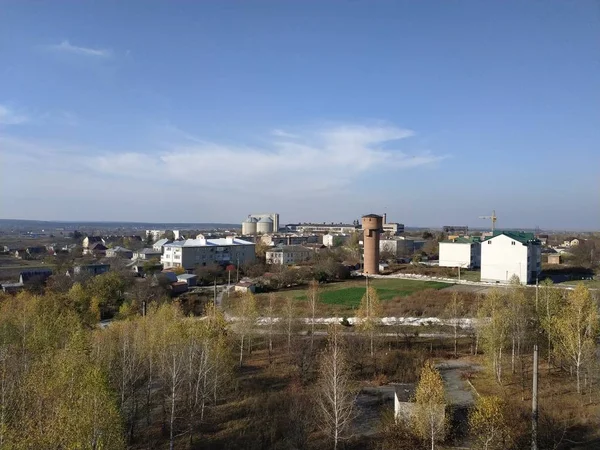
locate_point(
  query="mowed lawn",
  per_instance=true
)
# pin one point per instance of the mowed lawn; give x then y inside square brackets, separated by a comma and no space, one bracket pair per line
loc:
[348,294]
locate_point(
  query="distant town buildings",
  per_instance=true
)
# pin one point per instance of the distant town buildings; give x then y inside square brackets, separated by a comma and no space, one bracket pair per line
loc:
[190,253]
[462,252]
[288,254]
[509,253]
[332,228]
[288,239]
[456,230]
[155,234]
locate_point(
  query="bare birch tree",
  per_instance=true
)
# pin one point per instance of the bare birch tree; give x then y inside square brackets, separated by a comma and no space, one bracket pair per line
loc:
[455,311]
[493,330]
[576,327]
[313,300]
[246,313]
[369,315]
[336,396]
[429,417]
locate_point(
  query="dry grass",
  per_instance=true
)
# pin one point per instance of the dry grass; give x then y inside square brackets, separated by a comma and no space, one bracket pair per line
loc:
[565,416]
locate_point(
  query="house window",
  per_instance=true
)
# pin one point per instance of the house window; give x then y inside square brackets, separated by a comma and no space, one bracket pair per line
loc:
[489,242]
[512,243]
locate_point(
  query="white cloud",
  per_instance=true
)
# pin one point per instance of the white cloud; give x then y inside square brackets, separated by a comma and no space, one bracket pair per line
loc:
[315,167]
[10,117]
[66,46]
[314,161]
[280,133]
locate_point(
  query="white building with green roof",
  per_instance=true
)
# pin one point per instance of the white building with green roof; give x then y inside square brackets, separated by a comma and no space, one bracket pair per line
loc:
[509,253]
[463,252]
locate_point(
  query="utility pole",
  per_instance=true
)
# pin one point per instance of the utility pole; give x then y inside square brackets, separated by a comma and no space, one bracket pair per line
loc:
[228,282]
[534,400]
[237,271]
[144,308]
[459,274]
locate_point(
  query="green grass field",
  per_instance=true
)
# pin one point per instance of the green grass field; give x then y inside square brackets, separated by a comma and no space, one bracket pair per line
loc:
[348,294]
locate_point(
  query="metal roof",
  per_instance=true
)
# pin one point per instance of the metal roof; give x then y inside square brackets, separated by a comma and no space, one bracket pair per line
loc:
[220,242]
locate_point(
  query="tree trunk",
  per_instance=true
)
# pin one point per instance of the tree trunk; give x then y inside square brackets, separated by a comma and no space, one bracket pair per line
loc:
[241,350]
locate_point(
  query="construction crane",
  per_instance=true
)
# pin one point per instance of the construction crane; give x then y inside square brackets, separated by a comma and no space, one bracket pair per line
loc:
[493,217]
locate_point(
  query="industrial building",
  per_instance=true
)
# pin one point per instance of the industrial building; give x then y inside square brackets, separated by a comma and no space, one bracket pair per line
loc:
[462,252]
[457,230]
[288,254]
[392,228]
[334,228]
[193,252]
[397,246]
[260,224]
[509,253]
[372,226]
[288,239]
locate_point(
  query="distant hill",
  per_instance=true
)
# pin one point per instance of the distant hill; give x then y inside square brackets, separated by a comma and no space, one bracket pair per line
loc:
[109,225]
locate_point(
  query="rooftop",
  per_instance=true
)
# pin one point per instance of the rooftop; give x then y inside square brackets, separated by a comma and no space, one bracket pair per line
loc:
[520,236]
[289,248]
[462,240]
[220,242]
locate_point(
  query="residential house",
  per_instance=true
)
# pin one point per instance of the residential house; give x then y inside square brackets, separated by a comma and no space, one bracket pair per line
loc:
[158,245]
[89,240]
[288,239]
[509,253]
[572,242]
[91,269]
[189,278]
[462,252]
[334,240]
[119,252]
[96,249]
[146,254]
[34,276]
[554,258]
[190,253]
[12,288]
[543,238]
[245,286]
[288,254]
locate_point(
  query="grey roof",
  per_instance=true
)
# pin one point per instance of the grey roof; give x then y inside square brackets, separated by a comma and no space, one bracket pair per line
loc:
[289,248]
[119,249]
[149,251]
[404,391]
[265,220]
[186,276]
[221,242]
[161,242]
[251,220]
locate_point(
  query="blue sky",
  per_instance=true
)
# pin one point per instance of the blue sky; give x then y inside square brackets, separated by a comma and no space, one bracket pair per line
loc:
[434,111]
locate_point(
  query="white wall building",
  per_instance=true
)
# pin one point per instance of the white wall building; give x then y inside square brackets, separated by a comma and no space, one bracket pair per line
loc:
[510,253]
[398,246]
[461,252]
[202,252]
[288,254]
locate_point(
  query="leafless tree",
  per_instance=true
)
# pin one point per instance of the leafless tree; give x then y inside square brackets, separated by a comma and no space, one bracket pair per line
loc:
[336,395]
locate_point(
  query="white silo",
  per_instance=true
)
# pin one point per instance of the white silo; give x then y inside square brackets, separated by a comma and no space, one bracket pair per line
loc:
[265,225]
[249,226]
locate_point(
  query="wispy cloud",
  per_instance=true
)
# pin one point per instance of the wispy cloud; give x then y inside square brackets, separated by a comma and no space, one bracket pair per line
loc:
[281,133]
[313,161]
[66,47]
[316,165]
[8,116]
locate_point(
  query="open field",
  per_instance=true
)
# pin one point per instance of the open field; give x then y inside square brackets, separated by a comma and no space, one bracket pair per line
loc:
[349,294]
[398,296]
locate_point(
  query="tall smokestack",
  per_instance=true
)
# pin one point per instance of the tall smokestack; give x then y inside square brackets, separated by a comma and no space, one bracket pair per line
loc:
[384,218]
